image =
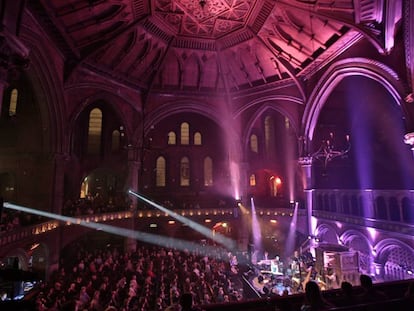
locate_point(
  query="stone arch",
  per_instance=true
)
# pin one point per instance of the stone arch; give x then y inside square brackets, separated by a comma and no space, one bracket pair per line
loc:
[22,258]
[327,234]
[265,105]
[396,259]
[43,76]
[336,73]
[182,106]
[357,241]
[105,95]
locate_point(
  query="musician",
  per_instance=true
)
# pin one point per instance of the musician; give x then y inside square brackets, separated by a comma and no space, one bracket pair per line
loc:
[295,263]
[331,279]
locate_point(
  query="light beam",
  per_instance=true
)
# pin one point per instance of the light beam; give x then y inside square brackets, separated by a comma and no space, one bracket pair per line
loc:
[256,230]
[217,237]
[169,242]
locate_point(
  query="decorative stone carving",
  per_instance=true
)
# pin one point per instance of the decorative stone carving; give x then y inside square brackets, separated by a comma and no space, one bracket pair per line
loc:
[214,19]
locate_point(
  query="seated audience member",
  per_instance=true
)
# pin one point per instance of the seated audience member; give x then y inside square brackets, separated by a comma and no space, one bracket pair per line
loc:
[347,297]
[313,299]
[369,293]
[186,302]
[409,297]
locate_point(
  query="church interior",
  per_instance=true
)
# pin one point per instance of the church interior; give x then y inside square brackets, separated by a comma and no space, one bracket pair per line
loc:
[234,149]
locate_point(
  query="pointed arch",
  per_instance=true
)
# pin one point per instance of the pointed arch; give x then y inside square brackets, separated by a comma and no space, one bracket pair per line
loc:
[95,131]
[184,171]
[208,172]
[336,73]
[160,172]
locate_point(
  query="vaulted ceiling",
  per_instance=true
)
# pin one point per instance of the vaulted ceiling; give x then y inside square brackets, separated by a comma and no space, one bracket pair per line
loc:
[211,45]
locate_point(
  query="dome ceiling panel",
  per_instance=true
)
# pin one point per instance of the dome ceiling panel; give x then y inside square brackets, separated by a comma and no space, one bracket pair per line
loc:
[88,22]
[224,44]
[296,35]
[216,18]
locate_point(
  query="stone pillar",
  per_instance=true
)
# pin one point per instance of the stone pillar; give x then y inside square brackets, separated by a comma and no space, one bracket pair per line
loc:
[133,173]
[240,213]
[307,182]
[58,183]
[368,201]
[132,184]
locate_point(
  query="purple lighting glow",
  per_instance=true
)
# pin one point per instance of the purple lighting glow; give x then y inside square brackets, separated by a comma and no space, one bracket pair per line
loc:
[256,230]
[290,241]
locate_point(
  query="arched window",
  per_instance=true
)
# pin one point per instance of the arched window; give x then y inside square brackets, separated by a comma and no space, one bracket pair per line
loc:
[208,172]
[252,180]
[160,172]
[13,102]
[172,138]
[185,133]
[116,141]
[287,123]
[94,131]
[184,172]
[269,134]
[254,145]
[197,139]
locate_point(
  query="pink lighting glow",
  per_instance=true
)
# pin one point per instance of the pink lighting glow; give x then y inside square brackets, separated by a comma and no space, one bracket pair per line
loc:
[256,230]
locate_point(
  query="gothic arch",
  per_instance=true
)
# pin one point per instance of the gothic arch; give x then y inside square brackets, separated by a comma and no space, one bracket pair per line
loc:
[385,246]
[43,76]
[327,234]
[336,73]
[110,100]
[267,106]
[357,241]
[395,258]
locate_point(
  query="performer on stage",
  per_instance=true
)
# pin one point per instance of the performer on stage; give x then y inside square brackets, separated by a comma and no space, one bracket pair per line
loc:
[276,266]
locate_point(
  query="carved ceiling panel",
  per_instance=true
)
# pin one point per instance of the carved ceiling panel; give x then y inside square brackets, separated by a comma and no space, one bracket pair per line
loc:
[213,19]
[220,45]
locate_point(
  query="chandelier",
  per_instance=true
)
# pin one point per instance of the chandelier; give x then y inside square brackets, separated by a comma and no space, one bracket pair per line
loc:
[327,151]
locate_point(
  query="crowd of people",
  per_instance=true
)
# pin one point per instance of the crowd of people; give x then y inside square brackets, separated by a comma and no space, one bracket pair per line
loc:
[96,204]
[148,278]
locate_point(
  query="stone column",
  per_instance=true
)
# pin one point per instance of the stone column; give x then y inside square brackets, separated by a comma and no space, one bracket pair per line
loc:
[58,182]
[307,182]
[132,184]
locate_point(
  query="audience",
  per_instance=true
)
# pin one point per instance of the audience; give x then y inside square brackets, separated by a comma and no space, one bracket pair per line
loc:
[149,278]
[186,302]
[347,297]
[369,292]
[313,298]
